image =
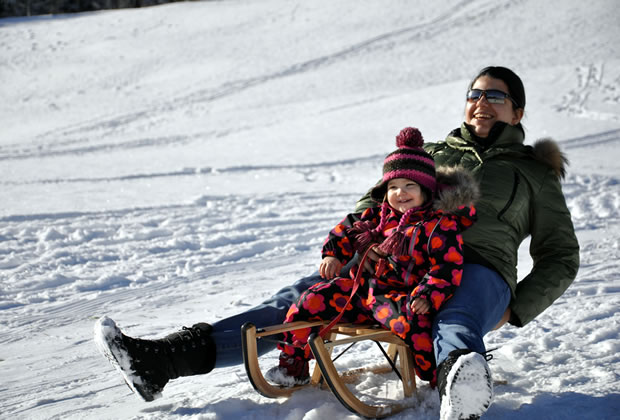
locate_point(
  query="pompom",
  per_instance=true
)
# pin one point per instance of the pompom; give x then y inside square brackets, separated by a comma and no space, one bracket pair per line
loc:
[409,137]
[395,244]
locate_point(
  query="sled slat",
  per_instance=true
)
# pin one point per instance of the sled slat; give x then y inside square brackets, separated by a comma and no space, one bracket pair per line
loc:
[278,329]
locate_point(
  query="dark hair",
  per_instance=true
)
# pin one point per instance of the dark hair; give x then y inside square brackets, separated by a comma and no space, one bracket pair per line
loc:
[514,83]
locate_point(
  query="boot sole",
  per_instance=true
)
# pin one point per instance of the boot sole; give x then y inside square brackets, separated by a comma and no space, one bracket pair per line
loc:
[107,337]
[470,389]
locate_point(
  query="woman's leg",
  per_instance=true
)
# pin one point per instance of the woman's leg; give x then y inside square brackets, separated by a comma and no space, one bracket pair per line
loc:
[476,307]
[227,332]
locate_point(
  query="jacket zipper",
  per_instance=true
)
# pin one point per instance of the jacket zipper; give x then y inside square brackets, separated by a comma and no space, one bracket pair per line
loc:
[515,185]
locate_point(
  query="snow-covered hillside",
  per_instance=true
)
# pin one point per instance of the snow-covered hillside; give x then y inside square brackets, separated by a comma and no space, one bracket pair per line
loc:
[179,163]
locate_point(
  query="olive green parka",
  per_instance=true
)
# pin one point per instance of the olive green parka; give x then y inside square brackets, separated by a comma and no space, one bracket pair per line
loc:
[521,196]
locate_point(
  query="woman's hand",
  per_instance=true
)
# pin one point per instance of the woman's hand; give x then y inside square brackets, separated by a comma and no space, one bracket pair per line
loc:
[330,267]
[420,306]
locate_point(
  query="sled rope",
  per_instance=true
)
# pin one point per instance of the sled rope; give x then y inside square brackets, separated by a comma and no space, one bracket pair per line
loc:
[356,285]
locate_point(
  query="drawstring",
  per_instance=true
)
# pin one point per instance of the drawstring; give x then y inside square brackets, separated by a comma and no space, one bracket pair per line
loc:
[487,354]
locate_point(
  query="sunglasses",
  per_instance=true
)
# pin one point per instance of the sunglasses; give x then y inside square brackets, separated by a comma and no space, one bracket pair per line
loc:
[493,96]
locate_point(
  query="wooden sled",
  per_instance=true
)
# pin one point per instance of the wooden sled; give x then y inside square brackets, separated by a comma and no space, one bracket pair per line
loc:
[325,371]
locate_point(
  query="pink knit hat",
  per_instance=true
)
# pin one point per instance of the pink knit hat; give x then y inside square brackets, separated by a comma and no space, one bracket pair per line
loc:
[409,161]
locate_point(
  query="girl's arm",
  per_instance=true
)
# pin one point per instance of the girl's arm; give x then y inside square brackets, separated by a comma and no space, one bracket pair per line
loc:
[445,255]
[339,243]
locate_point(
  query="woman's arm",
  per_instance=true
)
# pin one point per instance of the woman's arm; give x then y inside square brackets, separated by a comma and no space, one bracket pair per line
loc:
[554,250]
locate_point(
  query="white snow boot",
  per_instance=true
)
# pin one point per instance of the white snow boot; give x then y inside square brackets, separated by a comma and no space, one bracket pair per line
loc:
[465,386]
[148,365]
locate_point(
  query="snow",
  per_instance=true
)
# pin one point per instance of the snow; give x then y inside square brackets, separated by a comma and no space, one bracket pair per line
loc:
[179,163]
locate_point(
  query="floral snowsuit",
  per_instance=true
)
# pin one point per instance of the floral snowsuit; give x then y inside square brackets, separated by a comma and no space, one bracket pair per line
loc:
[434,250]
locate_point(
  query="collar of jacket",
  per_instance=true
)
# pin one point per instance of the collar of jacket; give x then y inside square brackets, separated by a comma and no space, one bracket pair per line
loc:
[509,140]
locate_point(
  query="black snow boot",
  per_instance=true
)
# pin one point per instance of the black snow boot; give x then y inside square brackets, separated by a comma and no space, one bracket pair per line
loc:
[148,365]
[465,385]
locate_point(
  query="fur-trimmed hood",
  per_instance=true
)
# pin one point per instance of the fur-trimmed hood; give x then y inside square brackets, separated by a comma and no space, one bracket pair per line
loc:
[456,187]
[547,151]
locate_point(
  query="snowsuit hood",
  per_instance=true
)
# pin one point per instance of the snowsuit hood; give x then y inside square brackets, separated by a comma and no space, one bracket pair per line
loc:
[456,188]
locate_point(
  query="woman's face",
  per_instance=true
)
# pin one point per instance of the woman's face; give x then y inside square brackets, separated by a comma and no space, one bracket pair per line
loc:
[481,115]
[404,194]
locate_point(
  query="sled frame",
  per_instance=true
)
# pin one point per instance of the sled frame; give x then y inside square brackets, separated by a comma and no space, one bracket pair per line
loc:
[325,371]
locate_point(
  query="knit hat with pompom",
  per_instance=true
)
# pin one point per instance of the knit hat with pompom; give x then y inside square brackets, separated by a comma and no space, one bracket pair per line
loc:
[409,161]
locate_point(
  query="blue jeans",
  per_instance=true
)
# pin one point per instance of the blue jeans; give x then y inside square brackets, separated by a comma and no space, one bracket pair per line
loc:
[461,323]
[476,307]
[227,332]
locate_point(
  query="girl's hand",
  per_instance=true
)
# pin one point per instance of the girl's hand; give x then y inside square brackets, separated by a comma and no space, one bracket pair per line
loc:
[374,255]
[330,267]
[420,306]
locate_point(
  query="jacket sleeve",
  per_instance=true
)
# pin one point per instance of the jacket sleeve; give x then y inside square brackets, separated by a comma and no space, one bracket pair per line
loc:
[554,250]
[338,243]
[446,264]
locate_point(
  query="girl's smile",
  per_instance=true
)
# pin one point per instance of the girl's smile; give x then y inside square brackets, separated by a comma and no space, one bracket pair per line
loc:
[404,194]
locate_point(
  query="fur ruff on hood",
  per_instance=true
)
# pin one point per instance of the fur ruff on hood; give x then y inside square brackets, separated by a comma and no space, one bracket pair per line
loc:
[547,151]
[457,187]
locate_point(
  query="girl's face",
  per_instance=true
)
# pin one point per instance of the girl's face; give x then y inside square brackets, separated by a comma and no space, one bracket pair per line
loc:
[481,115]
[404,194]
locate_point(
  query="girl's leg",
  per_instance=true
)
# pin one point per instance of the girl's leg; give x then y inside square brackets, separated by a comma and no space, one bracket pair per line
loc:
[476,307]
[323,301]
[416,331]
[421,343]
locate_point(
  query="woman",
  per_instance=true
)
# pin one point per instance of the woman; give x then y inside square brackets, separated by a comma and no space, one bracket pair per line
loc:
[521,196]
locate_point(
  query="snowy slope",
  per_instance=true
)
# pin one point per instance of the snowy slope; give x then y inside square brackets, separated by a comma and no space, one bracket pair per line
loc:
[179,163]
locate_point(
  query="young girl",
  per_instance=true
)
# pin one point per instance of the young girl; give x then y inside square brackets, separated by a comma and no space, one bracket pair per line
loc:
[417,229]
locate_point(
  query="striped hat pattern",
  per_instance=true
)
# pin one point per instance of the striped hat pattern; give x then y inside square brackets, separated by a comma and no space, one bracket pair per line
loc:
[409,161]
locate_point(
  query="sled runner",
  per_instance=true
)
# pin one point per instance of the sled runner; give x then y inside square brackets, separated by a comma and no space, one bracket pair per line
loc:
[325,370]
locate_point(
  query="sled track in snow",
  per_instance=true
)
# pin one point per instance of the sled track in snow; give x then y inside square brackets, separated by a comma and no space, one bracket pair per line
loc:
[463,13]
[611,136]
[342,164]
